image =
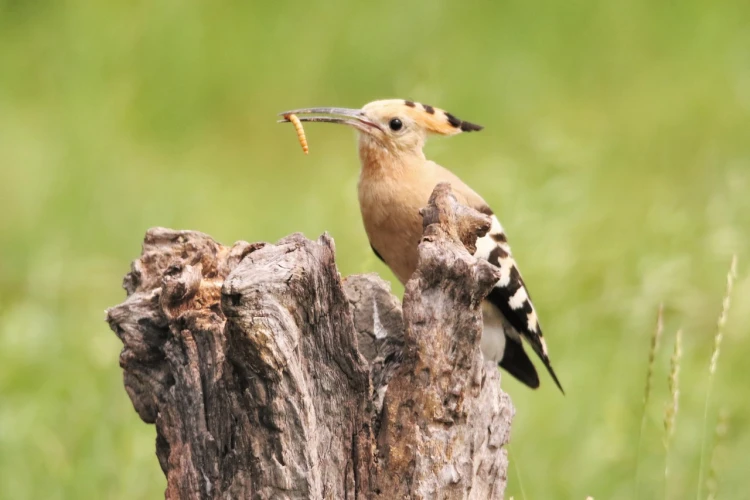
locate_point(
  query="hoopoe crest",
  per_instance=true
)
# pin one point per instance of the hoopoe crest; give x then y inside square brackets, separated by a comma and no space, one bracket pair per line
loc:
[396,180]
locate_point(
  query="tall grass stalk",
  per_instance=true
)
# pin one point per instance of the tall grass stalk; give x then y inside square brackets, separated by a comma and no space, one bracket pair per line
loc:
[721,431]
[673,406]
[518,471]
[731,275]
[655,340]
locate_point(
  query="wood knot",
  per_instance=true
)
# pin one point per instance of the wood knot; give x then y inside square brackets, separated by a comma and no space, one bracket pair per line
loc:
[180,284]
[459,222]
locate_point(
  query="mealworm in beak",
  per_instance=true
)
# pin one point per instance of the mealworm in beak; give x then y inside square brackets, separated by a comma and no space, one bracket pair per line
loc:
[300,131]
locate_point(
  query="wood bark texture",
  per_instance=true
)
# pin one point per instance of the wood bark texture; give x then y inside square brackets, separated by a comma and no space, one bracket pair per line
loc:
[268,376]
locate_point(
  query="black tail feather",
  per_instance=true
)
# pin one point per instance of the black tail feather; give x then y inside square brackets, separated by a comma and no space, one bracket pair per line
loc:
[516,362]
[553,375]
[500,298]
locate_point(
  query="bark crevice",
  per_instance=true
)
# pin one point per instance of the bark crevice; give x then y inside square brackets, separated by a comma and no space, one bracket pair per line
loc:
[268,376]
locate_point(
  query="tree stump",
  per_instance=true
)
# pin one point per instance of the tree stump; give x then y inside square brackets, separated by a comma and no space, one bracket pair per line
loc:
[267,376]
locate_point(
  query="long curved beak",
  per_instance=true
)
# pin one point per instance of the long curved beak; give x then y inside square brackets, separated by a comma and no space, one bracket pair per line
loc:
[345,116]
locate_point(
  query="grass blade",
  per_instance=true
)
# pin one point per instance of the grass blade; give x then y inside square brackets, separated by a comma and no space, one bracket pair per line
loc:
[672,407]
[655,340]
[721,431]
[731,275]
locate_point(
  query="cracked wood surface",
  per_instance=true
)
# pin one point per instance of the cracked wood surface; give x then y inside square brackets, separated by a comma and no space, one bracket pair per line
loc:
[268,376]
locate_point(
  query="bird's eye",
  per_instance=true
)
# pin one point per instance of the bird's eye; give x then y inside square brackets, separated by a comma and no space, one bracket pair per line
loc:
[395,124]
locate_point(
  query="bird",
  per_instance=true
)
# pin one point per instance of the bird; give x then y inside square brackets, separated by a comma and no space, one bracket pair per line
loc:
[396,181]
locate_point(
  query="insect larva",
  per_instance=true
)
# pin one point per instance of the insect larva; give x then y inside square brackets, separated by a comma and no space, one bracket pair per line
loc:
[300,131]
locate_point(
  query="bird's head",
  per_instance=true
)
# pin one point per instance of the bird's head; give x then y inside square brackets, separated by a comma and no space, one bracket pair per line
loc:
[395,125]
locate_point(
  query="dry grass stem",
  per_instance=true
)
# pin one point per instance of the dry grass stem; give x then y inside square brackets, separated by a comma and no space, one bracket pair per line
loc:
[672,407]
[723,316]
[722,425]
[731,276]
[655,341]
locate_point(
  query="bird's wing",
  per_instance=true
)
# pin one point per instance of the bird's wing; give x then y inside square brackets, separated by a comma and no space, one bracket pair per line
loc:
[510,294]
[502,344]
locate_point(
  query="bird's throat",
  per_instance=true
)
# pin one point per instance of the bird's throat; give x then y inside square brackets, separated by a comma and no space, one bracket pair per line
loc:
[379,160]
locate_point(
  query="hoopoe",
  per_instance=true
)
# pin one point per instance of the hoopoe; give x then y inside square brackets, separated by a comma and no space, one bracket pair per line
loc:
[396,180]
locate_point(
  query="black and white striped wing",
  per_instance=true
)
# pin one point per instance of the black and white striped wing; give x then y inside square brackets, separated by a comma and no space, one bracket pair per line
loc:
[510,295]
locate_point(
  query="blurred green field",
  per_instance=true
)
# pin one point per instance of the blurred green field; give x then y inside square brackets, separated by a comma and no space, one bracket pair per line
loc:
[616,153]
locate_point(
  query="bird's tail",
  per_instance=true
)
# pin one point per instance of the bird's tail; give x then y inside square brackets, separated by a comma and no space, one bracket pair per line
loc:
[516,362]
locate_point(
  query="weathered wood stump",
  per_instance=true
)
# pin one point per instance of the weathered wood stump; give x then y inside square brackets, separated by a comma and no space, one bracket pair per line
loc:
[267,376]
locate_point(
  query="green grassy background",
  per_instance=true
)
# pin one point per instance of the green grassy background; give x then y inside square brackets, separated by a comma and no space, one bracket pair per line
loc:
[616,152]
